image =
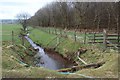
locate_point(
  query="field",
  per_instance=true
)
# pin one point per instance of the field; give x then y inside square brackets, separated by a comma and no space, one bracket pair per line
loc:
[67,47]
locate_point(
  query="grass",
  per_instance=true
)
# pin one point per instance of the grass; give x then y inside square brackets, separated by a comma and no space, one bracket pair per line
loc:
[36,37]
[7,31]
[31,72]
[11,58]
[108,70]
[50,41]
[13,68]
[94,54]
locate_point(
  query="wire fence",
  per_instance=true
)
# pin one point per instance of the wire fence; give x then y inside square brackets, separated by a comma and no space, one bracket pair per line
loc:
[73,35]
[107,40]
[11,36]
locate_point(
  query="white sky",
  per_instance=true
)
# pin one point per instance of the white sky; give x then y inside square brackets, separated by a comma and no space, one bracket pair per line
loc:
[10,8]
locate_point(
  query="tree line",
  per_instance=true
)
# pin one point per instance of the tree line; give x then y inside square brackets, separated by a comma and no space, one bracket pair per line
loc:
[78,15]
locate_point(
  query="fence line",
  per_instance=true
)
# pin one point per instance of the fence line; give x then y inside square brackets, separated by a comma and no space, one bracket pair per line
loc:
[10,36]
[74,36]
[109,40]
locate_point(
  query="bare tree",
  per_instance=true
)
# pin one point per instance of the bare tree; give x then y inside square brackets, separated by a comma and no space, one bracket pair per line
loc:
[78,16]
[22,18]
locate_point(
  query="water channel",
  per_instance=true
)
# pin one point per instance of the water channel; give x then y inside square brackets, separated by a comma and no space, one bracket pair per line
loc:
[48,60]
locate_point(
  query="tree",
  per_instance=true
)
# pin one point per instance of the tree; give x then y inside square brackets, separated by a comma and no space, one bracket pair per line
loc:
[22,18]
[78,15]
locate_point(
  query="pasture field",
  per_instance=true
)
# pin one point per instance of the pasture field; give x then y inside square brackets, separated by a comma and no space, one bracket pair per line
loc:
[7,31]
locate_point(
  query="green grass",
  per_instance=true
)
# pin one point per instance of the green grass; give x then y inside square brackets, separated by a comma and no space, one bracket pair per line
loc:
[11,58]
[94,53]
[11,27]
[36,36]
[12,67]
[32,72]
[7,31]
[108,70]
[50,41]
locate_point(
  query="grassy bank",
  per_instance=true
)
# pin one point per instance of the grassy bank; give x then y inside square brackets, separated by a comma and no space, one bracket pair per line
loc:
[64,46]
[12,68]
[17,60]
[67,47]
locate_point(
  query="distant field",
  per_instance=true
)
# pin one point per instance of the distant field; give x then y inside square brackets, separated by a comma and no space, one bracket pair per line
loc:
[7,31]
[10,27]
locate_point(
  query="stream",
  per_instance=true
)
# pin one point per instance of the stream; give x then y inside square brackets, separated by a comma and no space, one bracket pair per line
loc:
[49,60]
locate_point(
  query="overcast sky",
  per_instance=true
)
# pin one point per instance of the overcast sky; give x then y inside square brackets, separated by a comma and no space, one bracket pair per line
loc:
[9,8]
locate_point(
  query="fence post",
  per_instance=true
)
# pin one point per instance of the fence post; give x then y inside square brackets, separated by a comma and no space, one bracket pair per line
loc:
[12,38]
[60,32]
[49,30]
[85,38]
[118,37]
[118,42]
[75,36]
[55,31]
[105,39]
[94,37]
[58,41]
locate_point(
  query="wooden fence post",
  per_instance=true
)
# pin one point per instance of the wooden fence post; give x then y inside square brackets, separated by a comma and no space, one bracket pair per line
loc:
[85,38]
[58,41]
[105,39]
[49,30]
[118,37]
[60,32]
[118,42]
[94,37]
[56,31]
[75,36]
[12,38]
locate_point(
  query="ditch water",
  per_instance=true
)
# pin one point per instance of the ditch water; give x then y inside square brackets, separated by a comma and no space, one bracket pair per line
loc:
[48,60]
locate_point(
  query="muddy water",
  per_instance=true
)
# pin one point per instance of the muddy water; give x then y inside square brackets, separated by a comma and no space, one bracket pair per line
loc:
[48,59]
